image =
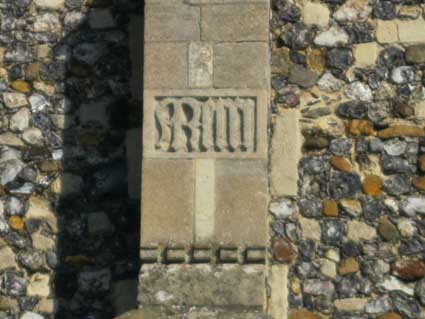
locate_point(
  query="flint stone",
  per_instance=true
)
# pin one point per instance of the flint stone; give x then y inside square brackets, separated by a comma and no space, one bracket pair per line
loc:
[380,305]
[13,284]
[405,305]
[333,231]
[393,284]
[420,291]
[414,205]
[353,110]
[9,170]
[395,165]
[397,185]
[329,83]
[344,185]
[302,76]
[333,37]
[341,147]
[317,287]
[403,75]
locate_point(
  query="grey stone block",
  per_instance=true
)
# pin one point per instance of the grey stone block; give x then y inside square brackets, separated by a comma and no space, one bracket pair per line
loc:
[202,285]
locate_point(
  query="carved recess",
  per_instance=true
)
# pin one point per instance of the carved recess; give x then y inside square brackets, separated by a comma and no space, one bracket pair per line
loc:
[190,124]
[204,126]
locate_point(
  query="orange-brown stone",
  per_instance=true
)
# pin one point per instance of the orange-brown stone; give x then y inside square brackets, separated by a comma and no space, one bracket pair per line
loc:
[390,315]
[360,127]
[32,71]
[316,60]
[348,266]
[419,182]
[401,130]
[16,223]
[340,164]
[372,185]
[303,314]
[282,250]
[330,208]
[421,163]
[21,86]
[409,269]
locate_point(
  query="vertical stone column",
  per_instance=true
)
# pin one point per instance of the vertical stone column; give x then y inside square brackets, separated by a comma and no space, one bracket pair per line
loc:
[205,156]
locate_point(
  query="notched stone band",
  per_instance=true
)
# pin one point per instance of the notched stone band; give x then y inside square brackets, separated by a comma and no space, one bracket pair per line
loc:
[188,255]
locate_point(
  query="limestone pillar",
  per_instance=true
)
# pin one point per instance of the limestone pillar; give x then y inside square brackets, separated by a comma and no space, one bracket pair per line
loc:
[205,180]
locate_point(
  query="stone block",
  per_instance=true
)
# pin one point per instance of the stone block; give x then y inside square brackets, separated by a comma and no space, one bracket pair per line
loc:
[167,201]
[315,13]
[241,65]
[202,285]
[278,282]
[167,21]
[235,22]
[241,202]
[411,31]
[204,313]
[205,124]
[200,65]
[285,153]
[165,65]
[386,31]
[365,54]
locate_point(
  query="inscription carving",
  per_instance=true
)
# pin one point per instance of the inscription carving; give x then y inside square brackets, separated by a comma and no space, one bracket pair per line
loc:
[205,124]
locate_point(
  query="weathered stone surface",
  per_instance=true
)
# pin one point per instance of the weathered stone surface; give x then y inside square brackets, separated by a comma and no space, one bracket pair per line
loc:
[168,21]
[7,259]
[39,285]
[386,31]
[348,266]
[351,304]
[415,53]
[167,201]
[315,13]
[366,54]
[14,100]
[166,65]
[285,153]
[235,22]
[234,67]
[247,222]
[160,313]
[411,31]
[310,228]
[206,285]
[200,65]
[358,231]
[215,129]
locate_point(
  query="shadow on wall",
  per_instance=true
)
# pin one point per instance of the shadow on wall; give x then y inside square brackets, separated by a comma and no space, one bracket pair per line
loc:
[97,262]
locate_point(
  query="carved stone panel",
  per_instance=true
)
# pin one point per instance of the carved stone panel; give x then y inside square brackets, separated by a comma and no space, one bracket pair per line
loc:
[196,124]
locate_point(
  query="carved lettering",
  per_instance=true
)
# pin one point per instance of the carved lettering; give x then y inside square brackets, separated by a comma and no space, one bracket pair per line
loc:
[205,125]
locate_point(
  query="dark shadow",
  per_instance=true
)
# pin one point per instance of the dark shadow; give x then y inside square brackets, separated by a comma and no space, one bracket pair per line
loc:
[97,262]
